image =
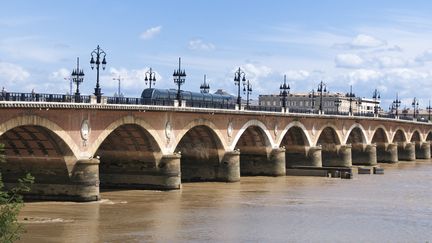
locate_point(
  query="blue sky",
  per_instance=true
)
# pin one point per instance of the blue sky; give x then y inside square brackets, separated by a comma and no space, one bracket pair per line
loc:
[367,44]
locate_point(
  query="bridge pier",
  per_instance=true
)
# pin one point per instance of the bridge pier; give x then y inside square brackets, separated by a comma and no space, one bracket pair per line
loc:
[406,151]
[364,154]
[299,155]
[52,182]
[271,164]
[387,152]
[141,175]
[229,170]
[422,150]
[336,155]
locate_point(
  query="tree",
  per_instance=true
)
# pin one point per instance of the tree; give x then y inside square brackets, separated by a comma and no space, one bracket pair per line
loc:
[11,202]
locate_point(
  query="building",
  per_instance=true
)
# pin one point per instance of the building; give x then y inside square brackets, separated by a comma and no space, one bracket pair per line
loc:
[331,102]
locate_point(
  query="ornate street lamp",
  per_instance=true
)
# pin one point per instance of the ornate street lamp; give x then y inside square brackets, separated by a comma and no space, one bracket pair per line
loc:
[284,91]
[396,104]
[429,109]
[77,76]
[322,87]
[312,97]
[247,90]
[179,77]
[239,76]
[150,77]
[415,105]
[376,97]
[98,53]
[350,95]
[337,103]
[205,87]
[119,94]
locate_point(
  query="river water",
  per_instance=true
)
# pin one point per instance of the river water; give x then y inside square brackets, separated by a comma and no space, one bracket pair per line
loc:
[394,207]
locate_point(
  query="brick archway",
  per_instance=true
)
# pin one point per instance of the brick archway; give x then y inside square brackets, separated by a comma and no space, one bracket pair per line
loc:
[32,120]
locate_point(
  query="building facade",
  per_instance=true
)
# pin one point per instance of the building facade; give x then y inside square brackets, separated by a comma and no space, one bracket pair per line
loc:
[331,102]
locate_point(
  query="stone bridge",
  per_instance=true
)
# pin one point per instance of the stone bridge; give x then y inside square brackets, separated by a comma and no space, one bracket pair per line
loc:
[73,149]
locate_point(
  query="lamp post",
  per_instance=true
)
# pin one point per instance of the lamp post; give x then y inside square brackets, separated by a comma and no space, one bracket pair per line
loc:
[312,97]
[415,105]
[396,105]
[247,90]
[179,77]
[376,97]
[119,94]
[350,95]
[429,108]
[284,91]
[205,87]
[77,77]
[98,53]
[150,77]
[337,103]
[239,76]
[322,87]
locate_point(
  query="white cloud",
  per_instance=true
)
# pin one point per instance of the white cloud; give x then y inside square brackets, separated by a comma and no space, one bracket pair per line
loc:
[407,74]
[255,72]
[391,62]
[366,41]
[12,73]
[364,75]
[363,41]
[33,48]
[426,56]
[132,81]
[59,74]
[198,44]
[150,33]
[349,60]
[297,75]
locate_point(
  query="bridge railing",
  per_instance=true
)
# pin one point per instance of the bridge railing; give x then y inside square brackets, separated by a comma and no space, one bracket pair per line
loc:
[124,100]
[366,114]
[386,115]
[263,108]
[41,97]
[209,104]
[303,110]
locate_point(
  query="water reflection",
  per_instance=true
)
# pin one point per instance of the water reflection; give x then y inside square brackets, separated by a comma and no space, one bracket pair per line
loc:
[393,207]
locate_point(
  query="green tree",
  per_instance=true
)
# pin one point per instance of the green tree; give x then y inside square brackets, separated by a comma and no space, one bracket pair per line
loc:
[11,202]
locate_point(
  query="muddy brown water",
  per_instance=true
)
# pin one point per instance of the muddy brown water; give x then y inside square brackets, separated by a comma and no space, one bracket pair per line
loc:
[394,207]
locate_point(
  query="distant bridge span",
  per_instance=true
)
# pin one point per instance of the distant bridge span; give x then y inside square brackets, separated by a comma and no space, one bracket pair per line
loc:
[141,146]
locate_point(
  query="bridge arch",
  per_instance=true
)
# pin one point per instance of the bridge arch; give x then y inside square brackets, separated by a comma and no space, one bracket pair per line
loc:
[200,122]
[129,153]
[301,132]
[33,120]
[328,134]
[38,146]
[260,128]
[356,134]
[429,136]
[255,144]
[126,120]
[380,135]
[399,135]
[416,136]
[201,150]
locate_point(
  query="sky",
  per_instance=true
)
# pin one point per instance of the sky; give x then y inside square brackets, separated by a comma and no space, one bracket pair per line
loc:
[384,45]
